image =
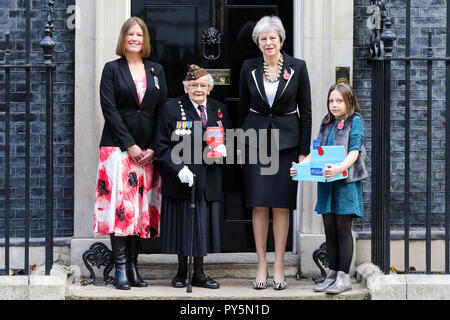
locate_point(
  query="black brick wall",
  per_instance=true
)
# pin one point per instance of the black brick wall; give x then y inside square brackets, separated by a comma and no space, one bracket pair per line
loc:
[426,16]
[13,19]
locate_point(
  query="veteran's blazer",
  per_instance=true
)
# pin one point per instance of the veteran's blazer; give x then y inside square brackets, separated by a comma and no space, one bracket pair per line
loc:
[208,176]
[293,90]
[126,121]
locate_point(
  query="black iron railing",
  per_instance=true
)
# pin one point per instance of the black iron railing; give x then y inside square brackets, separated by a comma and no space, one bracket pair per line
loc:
[48,66]
[381,60]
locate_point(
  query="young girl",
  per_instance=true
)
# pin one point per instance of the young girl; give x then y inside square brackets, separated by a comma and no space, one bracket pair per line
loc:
[341,200]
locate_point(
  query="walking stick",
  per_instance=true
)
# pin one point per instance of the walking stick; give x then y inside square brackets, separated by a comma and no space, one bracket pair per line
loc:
[189,285]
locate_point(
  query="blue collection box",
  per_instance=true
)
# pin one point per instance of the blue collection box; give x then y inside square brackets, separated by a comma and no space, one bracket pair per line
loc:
[320,156]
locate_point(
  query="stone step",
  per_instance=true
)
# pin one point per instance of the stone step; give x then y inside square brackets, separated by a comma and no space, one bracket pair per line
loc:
[230,289]
[234,271]
[219,265]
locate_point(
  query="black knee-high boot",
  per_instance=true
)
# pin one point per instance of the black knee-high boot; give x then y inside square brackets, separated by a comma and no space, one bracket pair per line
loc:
[119,249]
[132,272]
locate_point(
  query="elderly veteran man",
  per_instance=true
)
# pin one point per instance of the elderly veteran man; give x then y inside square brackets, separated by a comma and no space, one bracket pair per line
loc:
[187,117]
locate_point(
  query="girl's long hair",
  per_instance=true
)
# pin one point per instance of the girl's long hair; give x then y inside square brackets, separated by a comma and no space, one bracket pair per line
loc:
[351,103]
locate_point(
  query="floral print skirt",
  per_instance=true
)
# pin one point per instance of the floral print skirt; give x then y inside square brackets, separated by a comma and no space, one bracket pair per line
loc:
[128,196]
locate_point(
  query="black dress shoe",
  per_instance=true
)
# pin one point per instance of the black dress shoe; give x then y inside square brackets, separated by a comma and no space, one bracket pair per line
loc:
[206,282]
[178,282]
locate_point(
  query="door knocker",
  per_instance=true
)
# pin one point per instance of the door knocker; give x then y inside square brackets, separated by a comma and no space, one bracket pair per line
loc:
[211,40]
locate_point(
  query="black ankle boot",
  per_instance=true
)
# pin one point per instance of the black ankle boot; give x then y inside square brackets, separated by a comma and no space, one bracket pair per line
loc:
[132,271]
[119,249]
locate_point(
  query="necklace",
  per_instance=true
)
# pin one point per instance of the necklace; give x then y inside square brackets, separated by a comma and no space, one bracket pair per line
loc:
[266,70]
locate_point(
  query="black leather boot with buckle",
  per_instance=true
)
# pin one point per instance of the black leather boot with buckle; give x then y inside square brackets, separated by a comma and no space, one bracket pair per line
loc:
[119,250]
[132,271]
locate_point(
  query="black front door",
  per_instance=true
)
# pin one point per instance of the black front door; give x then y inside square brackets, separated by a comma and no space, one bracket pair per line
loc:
[176,28]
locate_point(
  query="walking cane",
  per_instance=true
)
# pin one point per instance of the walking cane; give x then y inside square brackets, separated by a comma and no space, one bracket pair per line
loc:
[189,285]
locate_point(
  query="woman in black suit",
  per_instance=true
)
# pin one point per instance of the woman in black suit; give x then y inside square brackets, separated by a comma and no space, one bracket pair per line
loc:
[187,118]
[127,203]
[274,95]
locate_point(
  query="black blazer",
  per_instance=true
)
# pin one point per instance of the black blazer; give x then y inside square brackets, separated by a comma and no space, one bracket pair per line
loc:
[126,121]
[208,176]
[294,131]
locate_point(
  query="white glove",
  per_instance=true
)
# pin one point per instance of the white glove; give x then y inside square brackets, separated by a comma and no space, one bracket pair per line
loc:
[186,176]
[222,149]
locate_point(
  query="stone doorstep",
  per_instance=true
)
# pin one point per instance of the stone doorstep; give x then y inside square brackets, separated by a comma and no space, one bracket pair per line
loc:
[219,265]
[403,286]
[230,289]
[234,272]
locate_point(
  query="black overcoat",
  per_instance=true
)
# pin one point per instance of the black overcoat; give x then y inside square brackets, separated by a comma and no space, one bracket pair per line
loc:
[208,176]
[293,91]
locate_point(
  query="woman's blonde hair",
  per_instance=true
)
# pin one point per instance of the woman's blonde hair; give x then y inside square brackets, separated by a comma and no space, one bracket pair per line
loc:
[351,103]
[146,48]
[268,23]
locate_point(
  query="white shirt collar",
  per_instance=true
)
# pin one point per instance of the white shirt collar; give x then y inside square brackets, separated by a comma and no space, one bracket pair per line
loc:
[196,104]
[196,107]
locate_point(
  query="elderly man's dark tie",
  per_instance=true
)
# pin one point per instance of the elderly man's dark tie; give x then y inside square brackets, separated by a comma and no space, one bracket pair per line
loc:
[202,114]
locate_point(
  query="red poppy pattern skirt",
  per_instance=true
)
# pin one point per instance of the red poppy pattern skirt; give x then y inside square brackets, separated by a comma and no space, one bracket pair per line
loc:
[128,196]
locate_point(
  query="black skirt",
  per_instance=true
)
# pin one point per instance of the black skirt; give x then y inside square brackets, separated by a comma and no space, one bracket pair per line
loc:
[176,227]
[271,191]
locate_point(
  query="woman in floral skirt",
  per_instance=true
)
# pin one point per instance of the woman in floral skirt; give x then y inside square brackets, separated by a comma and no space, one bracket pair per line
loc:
[128,194]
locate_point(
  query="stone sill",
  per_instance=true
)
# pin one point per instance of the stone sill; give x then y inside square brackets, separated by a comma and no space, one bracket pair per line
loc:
[36,286]
[403,286]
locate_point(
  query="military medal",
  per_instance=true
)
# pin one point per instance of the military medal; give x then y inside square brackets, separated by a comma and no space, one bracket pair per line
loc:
[178,131]
[189,126]
[183,114]
[183,131]
[183,127]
